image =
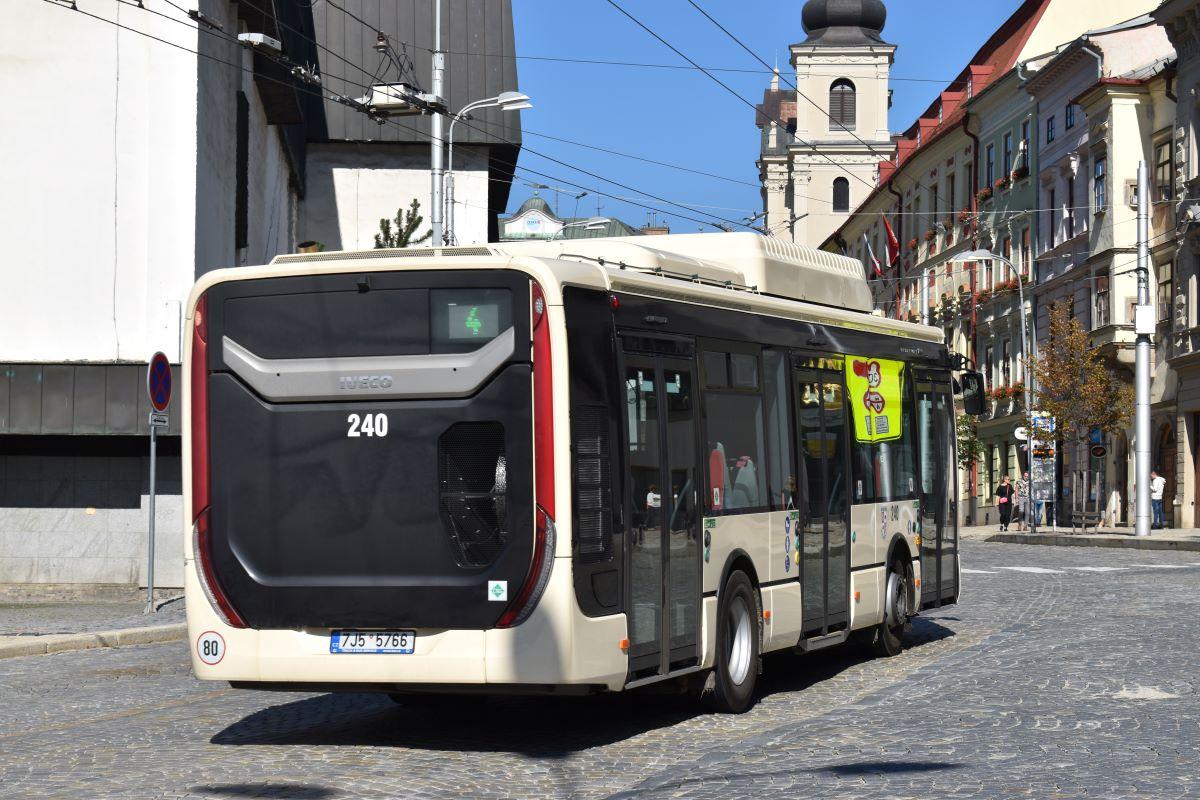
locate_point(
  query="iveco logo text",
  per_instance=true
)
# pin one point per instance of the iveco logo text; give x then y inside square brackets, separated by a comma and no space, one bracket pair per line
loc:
[365,382]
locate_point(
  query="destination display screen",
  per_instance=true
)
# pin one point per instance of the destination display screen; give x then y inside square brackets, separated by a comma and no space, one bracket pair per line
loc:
[466,319]
[472,321]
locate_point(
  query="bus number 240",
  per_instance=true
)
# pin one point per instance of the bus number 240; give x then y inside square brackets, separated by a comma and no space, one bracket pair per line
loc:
[367,425]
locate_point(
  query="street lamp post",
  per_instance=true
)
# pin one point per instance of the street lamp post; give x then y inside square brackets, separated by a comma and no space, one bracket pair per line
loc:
[505,101]
[1030,344]
[590,224]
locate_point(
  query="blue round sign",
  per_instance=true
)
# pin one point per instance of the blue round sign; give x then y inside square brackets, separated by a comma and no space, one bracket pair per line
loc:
[158,382]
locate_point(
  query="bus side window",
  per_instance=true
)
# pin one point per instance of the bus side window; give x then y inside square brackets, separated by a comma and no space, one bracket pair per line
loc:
[781,474]
[734,431]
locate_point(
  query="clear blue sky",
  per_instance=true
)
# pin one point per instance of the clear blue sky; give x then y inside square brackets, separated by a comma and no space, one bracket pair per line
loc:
[681,116]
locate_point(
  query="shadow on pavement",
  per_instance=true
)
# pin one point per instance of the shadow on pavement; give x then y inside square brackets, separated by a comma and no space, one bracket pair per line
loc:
[541,726]
[885,767]
[284,791]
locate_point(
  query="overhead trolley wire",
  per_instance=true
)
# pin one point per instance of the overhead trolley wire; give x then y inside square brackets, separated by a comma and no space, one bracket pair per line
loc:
[322,95]
[758,111]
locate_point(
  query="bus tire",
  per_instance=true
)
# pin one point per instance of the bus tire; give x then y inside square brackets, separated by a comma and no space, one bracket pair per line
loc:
[736,671]
[889,635]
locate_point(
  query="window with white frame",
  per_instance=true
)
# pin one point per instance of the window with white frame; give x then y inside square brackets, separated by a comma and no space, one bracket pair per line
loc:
[1163,272]
[1164,171]
[1099,184]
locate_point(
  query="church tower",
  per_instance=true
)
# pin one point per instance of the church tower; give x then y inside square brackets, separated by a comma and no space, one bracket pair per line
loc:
[822,144]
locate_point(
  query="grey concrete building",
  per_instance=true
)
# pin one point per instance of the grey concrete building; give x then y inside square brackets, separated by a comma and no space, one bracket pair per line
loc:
[363,171]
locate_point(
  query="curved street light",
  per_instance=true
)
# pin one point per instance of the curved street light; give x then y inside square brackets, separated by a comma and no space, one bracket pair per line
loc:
[505,101]
[590,224]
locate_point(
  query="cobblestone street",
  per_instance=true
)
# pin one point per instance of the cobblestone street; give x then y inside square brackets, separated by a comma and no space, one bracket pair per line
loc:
[1065,672]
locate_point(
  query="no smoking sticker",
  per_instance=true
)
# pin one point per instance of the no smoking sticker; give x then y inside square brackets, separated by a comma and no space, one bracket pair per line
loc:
[210,647]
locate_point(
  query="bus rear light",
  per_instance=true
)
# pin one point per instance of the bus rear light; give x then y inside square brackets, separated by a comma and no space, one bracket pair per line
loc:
[198,379]
[539,574]
[543,467]
[202,550]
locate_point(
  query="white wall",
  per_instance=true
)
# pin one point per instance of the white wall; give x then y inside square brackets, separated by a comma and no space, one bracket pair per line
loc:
[99,147]
[352,185]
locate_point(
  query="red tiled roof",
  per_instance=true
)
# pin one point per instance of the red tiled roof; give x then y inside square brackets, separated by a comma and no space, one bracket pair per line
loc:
[995,58]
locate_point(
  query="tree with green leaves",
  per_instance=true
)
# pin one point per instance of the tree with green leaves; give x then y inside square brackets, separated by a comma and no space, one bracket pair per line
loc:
[407,222]
[970,448]
[1075,387]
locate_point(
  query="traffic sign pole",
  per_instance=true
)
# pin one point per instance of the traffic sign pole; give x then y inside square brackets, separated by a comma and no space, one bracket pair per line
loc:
[158,387]
[150,565]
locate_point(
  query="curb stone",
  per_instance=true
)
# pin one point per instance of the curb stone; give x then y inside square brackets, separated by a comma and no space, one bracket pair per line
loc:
[1084,540]
[14,646]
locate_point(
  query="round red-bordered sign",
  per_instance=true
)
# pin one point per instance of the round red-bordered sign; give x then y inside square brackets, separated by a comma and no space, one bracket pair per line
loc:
[158,382]
[210,646]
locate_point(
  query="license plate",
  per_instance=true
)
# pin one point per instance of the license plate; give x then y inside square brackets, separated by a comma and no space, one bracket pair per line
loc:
[373,642]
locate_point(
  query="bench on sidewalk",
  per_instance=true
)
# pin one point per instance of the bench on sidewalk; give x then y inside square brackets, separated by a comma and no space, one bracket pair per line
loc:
[1086,519]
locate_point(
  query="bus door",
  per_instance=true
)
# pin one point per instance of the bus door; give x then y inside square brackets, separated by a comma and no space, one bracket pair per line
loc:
[664,548]
[823,475]
[939,523]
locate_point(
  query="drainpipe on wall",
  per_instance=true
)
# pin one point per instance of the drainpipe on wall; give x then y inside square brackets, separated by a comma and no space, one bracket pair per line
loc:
[900,232]
[1087,48]
[973,507]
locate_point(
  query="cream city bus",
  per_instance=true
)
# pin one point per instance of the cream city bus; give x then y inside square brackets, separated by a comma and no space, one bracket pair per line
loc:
[568,466]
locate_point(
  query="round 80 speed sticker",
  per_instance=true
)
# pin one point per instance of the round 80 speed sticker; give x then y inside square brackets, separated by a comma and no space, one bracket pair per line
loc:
[210,646]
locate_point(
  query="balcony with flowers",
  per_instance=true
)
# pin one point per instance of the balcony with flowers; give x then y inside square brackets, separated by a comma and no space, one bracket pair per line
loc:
[1007,400]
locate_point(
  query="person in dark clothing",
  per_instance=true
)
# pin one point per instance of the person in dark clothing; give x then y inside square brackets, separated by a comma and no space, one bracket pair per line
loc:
[1004,501]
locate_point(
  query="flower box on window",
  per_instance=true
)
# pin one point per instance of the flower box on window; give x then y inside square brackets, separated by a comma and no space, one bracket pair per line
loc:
[1002,184]
[984,194]
[1020,173]
[913,244]
[930,235]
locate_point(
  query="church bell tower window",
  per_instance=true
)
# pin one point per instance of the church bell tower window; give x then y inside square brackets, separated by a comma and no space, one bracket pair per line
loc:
[842,105]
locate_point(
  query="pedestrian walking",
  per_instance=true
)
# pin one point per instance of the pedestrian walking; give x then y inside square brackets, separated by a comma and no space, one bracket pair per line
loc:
[1022,501]
[1004,501]
[1157,484]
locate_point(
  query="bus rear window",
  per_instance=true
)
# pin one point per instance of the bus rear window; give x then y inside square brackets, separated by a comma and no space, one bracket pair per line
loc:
[467,319]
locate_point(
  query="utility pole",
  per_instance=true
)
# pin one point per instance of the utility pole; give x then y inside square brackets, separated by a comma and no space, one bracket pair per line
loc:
[436,126]
[1143,325]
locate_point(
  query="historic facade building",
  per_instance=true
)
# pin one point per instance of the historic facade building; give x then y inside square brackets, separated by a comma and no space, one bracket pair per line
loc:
[1103,106]
[968,174]
[1178,172]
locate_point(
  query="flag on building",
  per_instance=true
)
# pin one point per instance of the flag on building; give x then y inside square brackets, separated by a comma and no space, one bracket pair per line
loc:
[893,244]
[871,254]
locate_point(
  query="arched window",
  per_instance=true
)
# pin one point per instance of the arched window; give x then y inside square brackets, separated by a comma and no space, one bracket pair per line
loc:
[842,104]
[841,195]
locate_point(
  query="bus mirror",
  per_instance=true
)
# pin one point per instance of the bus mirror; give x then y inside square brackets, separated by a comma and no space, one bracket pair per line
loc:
[972,393]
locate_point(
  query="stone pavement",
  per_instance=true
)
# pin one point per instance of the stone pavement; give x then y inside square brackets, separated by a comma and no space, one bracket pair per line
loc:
[1065,672]
[38,622]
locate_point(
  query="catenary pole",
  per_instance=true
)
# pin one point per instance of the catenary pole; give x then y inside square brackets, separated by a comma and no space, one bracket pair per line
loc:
[436,145]
[1144,328]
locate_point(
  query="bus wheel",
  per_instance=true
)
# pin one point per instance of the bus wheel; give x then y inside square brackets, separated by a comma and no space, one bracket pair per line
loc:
[889,636]
[737,645]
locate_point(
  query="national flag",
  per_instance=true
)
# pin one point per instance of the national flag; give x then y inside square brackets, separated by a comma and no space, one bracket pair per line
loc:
[893,244]
[871,253]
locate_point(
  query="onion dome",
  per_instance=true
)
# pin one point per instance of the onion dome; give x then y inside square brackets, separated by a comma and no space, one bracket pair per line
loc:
[844,22]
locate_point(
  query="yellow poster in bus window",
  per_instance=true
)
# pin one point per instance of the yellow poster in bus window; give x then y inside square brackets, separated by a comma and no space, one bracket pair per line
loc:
[875,387]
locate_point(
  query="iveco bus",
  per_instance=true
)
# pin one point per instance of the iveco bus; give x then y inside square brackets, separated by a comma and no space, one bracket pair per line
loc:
[567,466]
